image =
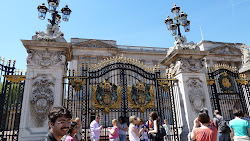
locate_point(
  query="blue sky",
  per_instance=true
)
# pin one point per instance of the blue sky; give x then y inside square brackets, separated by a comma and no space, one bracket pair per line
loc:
[129,22]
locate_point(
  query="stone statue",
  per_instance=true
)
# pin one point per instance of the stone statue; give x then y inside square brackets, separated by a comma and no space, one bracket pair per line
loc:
[52,34]
[181,43]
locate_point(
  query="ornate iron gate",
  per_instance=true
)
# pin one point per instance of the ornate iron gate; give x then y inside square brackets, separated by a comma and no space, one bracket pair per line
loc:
[119,87]
[11,96]
[229,90]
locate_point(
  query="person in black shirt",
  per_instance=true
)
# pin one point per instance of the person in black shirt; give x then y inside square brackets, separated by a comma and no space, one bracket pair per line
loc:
[59,123]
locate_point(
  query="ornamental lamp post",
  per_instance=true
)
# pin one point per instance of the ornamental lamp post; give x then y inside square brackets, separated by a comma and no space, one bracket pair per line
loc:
[53,5]
[180,18]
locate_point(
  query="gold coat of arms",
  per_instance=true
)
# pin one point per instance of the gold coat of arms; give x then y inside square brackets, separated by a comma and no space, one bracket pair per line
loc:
[141,96]
[106,96]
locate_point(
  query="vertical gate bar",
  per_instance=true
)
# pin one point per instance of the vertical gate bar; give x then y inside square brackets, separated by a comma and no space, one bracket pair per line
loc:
[2,102]
[242,98]
[18,110]
[124,84]
[247,94]
[158,95]
[172,97]
[12,107]
[214,92]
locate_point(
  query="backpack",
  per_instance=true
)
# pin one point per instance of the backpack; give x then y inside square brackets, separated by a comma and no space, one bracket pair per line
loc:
[161,131]
[223,126]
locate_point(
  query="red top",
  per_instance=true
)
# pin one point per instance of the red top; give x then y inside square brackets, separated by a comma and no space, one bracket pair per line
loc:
[208,134]
[150,123]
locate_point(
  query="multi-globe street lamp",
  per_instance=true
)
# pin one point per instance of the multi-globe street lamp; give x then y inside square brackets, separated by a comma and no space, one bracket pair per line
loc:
[53,5]
[180,19]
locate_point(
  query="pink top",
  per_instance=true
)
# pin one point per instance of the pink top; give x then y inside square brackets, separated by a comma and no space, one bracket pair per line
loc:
[116,135]
[69,138]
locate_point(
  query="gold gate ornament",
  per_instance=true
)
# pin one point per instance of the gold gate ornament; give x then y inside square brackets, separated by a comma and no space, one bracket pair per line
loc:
[141,96]
[106,96]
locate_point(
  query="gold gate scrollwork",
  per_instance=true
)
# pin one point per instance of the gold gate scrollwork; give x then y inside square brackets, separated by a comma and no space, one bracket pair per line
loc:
[77,84]
[15,78]
[141,96]
[164,84]
[106,96]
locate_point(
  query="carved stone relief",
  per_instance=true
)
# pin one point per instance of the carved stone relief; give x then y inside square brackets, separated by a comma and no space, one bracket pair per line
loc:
[46,58]
[246,55]
[184,65]
[226,49]
[42,98]
[196,94]
[192,65]
[94,43]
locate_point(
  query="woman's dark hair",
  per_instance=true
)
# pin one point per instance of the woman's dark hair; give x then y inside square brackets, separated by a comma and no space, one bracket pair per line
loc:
[238,113]
[122,119]
[203,117]
[73,124]
[204,110]
[153,115]
[57,112]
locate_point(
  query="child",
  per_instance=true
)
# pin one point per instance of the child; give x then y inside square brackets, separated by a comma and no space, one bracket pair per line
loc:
[79,130]
[167,129]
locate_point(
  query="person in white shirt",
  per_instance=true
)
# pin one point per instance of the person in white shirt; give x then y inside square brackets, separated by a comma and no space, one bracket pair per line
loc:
[95,129]
[133,132]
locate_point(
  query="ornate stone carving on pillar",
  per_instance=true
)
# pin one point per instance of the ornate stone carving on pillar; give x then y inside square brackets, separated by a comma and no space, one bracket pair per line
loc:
[45,59]
[246,54]
[46,66]
[42,98]
[246,60]
[184,65]
[196,94]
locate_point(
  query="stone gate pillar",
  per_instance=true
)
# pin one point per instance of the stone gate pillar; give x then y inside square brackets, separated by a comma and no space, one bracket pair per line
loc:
[46,65]
[187,64]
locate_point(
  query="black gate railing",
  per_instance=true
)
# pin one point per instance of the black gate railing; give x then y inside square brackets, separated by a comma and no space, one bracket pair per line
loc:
[119,87]
[228,91]
[11,96]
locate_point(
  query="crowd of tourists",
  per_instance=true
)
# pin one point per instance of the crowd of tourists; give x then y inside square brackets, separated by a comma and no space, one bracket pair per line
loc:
[218,129]
[63,128]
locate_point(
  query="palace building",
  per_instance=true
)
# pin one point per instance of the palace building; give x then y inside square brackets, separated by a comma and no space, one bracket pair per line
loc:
[93,76]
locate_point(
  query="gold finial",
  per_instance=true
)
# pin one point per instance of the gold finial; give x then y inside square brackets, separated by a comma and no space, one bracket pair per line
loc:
[14,62]
[18,72]
[3,61]
[78,73]
[9,62]
[69,72]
